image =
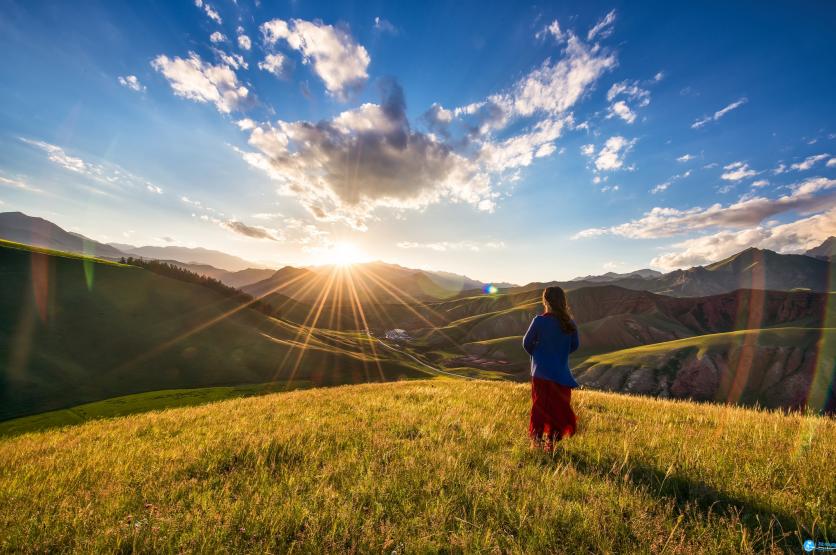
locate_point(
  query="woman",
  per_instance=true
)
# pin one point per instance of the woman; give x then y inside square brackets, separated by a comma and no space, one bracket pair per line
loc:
[549,340]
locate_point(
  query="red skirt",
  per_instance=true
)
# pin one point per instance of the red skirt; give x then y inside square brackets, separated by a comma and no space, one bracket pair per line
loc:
[551,410]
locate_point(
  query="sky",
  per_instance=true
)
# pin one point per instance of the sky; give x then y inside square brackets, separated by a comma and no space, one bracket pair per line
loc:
[505,141]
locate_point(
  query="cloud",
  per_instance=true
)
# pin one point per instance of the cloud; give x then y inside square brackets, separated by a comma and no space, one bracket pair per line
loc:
[685,158]
[623,111]
[210,11]
[552,29]
[445,246]
[217,36]
[667,222]
[611,155]
[274,63]
[248,230]
[244,42]
[760,183]
[335,56]
[809,162]
[797,236]
[831,163]
[719,113]
[131,82]
[18,184]
[603,28]
[661,187]
[737,171]
[194,79]
[368,157]
[154,189]
[57,155]
[384,26]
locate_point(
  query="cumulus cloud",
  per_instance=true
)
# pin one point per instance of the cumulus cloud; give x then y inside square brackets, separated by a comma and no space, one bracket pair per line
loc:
[194,79]
[335,56]
[132,82]
[737,171]
[797,236]
[622,110]
[244,42]
[809,162]
[685,158]
[831,163]
[154,189]
[632,93]
[342,169]
[217,36]
[248,230]
[274,63]
[760,183]
[719,113]
[210,11]
[611,155]
[666,222]
[603,28]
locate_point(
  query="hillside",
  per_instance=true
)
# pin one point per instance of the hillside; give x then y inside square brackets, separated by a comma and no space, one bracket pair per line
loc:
[77,330]
[189,255]
[779,367]
[421,467]
[20,228]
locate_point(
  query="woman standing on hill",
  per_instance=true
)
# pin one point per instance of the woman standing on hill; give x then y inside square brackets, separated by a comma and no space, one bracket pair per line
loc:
[549,340]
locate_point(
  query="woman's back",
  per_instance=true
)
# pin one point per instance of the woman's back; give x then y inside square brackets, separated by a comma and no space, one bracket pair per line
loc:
[549,346]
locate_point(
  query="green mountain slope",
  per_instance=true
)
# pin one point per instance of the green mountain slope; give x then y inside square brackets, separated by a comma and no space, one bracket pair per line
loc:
[419,467]
[76,330]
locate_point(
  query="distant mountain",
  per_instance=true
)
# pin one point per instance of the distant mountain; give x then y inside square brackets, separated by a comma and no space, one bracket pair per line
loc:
[749,269]
[234,279]
[612,276]
[29,230]
[376,282]
[825,251]
[197,255]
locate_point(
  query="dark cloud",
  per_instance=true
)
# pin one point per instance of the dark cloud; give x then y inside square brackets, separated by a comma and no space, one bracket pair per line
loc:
[249,231]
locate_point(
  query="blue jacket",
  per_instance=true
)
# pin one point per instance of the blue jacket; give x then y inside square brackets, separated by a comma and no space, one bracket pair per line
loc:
[549,347]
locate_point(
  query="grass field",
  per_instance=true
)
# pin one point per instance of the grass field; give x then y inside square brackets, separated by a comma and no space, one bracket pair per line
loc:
[418,466]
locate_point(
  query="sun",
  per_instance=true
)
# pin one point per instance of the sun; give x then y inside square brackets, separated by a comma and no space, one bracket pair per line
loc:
[342,254]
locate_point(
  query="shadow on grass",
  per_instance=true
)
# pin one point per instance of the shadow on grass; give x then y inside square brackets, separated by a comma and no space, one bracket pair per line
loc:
[765,526]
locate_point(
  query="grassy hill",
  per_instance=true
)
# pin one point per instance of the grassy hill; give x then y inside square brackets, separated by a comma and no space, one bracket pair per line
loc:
[421,466]
[76,329]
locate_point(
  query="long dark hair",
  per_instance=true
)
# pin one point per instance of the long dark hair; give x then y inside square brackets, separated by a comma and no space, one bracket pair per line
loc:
[554,298]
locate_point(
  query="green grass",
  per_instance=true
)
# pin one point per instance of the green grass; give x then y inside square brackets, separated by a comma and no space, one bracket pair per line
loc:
[763,336]
[421,466]
[133,404]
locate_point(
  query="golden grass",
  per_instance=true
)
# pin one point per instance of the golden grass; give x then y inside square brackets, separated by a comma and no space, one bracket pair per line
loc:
[421,466]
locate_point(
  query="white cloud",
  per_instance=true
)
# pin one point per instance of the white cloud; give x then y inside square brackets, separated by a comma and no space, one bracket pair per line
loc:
[244,42]
[604,27]
[809,162]
[274,63]
[831,163]
[336,57]
[132,82]
[780,169]
[737,171]
[196,80]
[384,26]
[57,155]
[552,29]
[245,124]
[210,11]
[760,183]
[217,36]
[445,246]
[719,113]
[685,158]
[667,222]
[623,111]
[18,184]
[588,150]
[797,236]
[611,155]
[661,187]
[154,189]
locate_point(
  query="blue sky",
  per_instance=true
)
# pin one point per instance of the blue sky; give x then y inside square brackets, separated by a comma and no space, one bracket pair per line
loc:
[509,142]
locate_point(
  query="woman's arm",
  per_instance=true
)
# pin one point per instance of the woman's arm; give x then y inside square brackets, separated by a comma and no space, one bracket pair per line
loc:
[576,342]
[530,337]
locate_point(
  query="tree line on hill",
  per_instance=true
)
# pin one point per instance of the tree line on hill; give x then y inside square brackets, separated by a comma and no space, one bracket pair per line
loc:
[181,274]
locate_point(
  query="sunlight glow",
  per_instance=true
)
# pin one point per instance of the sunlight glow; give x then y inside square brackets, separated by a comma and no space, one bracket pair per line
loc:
[341,254]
